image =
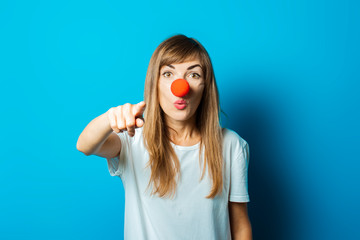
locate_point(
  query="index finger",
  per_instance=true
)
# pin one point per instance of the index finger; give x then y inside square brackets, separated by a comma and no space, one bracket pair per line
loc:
[139,108]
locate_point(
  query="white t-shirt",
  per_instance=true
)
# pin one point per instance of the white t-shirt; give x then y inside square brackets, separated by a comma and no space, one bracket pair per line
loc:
[189,215]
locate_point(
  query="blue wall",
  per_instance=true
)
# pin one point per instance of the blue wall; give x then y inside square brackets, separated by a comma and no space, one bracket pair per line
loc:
[288,77]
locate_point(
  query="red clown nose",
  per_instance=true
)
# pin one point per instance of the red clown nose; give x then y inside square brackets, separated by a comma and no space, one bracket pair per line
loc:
[180,87]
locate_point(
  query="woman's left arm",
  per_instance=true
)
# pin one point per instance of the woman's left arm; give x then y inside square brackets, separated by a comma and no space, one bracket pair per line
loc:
[239,221]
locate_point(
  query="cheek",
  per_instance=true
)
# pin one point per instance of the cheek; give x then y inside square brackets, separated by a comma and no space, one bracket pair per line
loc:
[198,88]
[164,91]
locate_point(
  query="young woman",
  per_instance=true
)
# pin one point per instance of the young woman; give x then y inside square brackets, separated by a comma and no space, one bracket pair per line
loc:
[174,145]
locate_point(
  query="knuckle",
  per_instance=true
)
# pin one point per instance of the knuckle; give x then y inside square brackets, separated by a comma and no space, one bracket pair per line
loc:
[130,124]
[121,125]
[118,109]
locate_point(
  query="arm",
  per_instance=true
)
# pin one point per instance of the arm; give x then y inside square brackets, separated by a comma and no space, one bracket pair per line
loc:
[239,221]
[99,139]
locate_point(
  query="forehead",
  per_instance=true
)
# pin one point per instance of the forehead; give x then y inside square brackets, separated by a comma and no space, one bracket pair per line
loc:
[183,64]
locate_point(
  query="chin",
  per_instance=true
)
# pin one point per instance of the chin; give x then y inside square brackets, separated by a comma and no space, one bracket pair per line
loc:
[183,116]
[178,116]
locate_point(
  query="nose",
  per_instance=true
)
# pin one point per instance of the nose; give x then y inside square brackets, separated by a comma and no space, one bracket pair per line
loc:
[180,87]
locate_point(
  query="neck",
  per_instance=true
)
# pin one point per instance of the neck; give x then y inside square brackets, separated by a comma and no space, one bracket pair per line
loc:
[183,131]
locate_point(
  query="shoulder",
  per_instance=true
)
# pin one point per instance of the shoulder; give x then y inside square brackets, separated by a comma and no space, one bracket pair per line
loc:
[230,136]
[233,140]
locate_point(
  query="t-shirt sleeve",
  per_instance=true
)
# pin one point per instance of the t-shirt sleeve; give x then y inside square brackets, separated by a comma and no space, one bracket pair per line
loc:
[239,176]
[116,165]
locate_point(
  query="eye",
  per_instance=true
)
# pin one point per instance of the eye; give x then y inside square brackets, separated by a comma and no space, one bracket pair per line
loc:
[165,74]
[197,75]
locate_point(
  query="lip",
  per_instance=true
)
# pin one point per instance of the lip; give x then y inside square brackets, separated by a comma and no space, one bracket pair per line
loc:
[180,104]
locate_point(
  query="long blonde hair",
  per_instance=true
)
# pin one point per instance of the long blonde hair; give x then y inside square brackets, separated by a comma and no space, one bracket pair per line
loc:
[177,49]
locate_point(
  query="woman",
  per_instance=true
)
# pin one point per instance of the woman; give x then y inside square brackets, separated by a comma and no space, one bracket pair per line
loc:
[197,170]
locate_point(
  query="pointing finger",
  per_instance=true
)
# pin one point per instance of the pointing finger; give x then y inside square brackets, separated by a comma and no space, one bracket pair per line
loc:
[139,108]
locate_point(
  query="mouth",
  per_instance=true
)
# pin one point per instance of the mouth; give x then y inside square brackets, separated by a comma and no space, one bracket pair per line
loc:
[180,104]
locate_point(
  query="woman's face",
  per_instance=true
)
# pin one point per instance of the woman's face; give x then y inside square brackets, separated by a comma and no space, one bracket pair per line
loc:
[191,72]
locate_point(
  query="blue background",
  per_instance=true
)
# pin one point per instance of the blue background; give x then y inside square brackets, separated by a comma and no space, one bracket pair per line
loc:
[287,73]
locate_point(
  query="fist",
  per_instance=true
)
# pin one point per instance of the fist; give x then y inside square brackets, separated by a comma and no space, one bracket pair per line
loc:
[126,117]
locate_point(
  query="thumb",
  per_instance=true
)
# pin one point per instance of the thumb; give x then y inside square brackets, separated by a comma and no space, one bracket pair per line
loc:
[139,108]
[139,122]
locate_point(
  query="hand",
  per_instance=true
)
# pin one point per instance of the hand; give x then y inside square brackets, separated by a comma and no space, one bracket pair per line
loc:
[126,117]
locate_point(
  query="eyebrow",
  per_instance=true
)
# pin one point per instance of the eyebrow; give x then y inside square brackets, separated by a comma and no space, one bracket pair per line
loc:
[191,67]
